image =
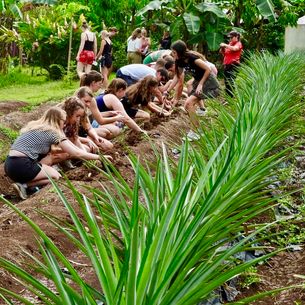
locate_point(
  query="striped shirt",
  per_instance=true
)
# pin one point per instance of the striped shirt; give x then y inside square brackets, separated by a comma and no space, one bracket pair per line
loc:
[36,143]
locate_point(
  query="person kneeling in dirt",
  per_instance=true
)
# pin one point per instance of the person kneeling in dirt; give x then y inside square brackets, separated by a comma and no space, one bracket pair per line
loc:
[108,121]
[29,163]
[142,93]
[75,110]
[110,100]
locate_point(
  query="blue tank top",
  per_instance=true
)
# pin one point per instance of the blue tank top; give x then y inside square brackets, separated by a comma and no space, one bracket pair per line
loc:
[101,104]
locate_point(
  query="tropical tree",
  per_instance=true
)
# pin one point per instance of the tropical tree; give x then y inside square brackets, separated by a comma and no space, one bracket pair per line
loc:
[45,34]
[10,11]
[207,21]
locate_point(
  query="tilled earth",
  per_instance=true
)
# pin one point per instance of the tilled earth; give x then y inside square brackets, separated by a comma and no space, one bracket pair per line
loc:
[15,235]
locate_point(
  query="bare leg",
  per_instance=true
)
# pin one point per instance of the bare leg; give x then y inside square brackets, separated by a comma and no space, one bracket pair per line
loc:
[105,75]
[88,68]
[102,131]
[190,106]
[104,144]
[142,115]
[43,176]
[80,69]
[114,130]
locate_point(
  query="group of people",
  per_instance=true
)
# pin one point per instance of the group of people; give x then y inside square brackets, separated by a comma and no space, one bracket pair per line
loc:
[88,55]
[83,125]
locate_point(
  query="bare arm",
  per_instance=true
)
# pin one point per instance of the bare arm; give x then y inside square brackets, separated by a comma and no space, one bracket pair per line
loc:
[100,52]
[200,63]
[94,45]
[81,46]
[98,116]
[68,147]
[232,48]
[159,110]
[157,93]
[113,102]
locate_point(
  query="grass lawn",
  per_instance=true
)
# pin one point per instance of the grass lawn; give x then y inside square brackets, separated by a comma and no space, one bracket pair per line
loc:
[38,93]
[31,85]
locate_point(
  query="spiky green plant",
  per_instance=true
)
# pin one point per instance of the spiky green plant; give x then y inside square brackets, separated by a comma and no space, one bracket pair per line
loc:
[160,241]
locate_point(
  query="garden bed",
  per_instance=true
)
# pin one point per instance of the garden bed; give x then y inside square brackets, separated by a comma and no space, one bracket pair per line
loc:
[16,235]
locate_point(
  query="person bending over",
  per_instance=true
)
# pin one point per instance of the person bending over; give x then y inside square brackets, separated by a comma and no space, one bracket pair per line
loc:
[75,110]
[142,94]
[110,100]
[205,83]
[108,121]
[28,163]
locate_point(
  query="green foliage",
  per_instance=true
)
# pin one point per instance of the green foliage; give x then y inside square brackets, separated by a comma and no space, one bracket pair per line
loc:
[119,53]
[9,133]
[249,277]
[56,72]
[159,241]
[205,23]
[21,76]
[43,34]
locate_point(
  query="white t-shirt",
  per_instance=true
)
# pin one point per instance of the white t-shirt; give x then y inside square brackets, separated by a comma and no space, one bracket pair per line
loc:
[133,45]
[138,71]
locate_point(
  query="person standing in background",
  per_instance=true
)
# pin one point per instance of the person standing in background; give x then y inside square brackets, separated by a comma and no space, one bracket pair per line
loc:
[145,43]
[112,32]
[134,55]
[104,56]
[87,50]
[231,61]
[166,41]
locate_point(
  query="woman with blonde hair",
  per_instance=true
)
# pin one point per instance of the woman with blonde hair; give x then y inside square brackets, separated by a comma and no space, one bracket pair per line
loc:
[28,163]
[104,56]
[134,55]
[108,121]
[87,50]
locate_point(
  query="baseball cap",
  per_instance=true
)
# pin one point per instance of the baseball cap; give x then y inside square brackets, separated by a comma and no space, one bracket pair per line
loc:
[233,34]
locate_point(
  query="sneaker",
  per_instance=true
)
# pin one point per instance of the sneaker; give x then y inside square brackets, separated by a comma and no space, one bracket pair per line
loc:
[191,135]
[33,190]
[21,190]
[201,112]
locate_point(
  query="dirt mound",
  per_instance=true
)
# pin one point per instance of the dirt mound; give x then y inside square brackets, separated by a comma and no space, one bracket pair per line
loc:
[7,106]
[16,235]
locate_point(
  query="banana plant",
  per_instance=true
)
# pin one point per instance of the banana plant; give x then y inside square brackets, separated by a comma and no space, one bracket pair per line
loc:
[199,21]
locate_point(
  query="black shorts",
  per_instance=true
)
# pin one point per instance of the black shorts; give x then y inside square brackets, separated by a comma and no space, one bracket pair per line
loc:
[106,61]
[21,169]
[132,112]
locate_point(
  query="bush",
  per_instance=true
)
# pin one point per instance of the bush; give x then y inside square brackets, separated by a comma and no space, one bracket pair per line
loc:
[56,72]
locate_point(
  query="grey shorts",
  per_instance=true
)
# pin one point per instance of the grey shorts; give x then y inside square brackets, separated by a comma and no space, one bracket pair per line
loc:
[210,88]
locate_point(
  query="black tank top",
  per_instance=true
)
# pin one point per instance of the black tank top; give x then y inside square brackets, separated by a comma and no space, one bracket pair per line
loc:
[107,49]
[88,46]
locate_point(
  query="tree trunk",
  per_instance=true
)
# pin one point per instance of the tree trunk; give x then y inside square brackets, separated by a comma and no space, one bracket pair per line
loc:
[4,47]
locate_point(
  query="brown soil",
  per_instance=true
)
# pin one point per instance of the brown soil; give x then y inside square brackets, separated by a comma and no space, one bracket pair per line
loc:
[15,235]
